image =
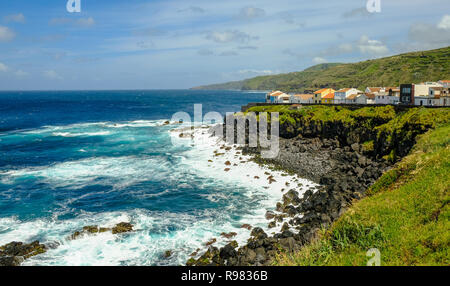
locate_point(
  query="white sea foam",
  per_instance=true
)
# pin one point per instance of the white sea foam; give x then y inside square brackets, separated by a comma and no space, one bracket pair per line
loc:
[155,232]
[241,171]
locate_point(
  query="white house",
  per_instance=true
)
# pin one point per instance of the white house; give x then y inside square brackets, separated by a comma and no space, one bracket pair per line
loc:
[440,95]
[359,98]
[272,97]
[283,98]
[444,83]
[302,98]
[426,101]
[341,95]
[370,98]
[423,89]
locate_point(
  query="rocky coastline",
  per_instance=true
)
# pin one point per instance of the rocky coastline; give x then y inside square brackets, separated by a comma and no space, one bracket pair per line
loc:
[331,154]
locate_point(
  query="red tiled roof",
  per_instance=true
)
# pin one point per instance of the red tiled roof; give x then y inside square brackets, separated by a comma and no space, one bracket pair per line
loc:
[370,95]
[374,89]
[304,96]
[329,95]
[321,90]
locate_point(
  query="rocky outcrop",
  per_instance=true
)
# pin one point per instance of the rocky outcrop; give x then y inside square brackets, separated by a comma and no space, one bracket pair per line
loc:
[14,253]
[344,159]
[95,229]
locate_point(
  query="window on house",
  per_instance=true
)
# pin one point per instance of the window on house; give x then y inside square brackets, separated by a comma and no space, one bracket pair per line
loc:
[406,90]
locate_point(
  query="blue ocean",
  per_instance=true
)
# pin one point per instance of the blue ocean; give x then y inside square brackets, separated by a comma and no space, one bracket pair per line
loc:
[75,158]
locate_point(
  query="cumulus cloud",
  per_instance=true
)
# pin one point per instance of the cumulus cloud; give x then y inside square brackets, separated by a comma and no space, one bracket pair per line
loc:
[17,18]
[6,34]
[51,74]
[319,60]
[371,47]
[251,13]
[3,67]
[229,36]
[192,9]
[431,34]
[445,23]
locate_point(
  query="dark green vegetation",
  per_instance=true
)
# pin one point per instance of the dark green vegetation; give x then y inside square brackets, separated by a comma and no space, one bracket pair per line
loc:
[385,131]
[406,214]
[391,71]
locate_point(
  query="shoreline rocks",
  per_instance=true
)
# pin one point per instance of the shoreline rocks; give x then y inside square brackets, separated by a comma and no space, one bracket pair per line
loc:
[14,253]
[344,172]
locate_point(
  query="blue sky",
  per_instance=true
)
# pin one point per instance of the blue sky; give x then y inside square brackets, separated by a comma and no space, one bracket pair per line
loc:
[183,43]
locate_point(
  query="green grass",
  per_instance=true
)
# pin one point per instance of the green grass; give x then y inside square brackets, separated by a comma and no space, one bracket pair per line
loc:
[406,214]
[391,71]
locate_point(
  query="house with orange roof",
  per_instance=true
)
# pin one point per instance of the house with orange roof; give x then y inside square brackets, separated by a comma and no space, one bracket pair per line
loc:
[328,98]
[302,98]
[370,98]
[320,93]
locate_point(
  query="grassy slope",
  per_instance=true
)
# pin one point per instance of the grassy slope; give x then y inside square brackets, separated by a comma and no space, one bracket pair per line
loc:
[406,215]
[391,71]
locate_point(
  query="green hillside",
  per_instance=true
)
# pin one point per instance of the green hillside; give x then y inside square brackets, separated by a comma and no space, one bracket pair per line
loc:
[391,71]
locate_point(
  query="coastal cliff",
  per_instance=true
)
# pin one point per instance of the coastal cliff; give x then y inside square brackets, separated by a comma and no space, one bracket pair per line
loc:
[346,151]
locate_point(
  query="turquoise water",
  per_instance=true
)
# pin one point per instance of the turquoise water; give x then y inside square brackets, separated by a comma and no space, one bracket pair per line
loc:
[71,159]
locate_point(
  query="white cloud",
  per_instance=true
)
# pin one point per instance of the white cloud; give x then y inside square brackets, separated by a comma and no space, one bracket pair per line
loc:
[371,47]
[81,22]
[192,9]
[51,74]
[431,35]
[319,60]
[6,34]
[229,36]
[18,18]
[21,73]
[445,23]
[86,22]
[251,13]
[3,67]
[258,72]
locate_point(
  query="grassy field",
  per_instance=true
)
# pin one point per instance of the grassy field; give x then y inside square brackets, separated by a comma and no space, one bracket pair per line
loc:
[391,71]
[405,216]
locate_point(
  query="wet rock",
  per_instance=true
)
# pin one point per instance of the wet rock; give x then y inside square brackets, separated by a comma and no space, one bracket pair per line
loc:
[228,235]
[122,227]
[168,253]
[289,244]
[212,241]
[258,233]
[247,226]
[270,215]
[10,261]
[14,253]
[228,251]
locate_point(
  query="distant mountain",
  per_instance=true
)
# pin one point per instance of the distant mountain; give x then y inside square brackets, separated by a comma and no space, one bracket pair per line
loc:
[412,67]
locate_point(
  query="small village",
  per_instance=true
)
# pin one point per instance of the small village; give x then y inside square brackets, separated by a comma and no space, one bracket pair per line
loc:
[422,94]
